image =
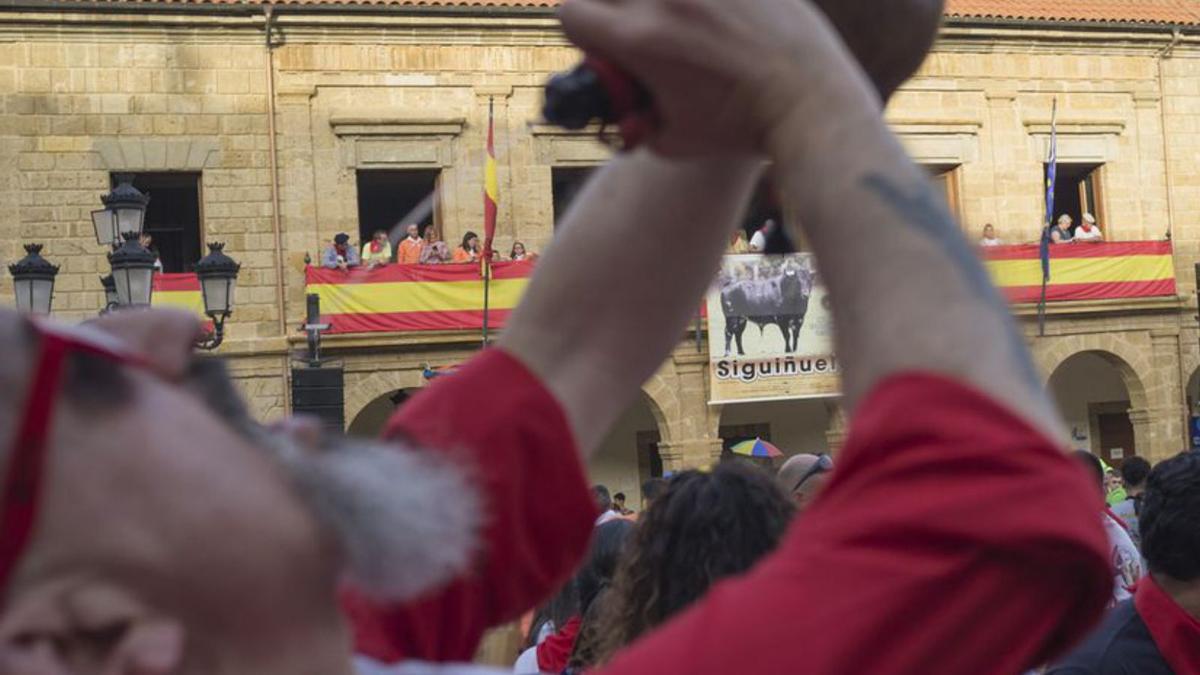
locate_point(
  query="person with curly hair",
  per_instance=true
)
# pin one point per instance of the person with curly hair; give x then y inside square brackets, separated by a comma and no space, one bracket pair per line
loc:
[706,527]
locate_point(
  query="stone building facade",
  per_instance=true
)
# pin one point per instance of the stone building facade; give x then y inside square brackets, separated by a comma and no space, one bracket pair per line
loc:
[280,111]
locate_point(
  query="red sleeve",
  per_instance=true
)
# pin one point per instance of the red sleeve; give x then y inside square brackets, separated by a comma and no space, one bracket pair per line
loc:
[511,435]
[951,538]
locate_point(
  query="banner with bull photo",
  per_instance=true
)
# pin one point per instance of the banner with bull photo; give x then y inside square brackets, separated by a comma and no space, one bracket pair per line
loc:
[770,333]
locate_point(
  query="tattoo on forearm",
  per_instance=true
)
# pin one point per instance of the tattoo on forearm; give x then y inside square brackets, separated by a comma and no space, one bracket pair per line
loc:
[921,209]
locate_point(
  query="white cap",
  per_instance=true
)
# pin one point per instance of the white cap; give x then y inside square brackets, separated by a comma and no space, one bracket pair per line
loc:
[1087,217]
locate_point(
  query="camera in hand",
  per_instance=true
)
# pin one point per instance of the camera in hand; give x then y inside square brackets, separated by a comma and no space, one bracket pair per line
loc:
[597,91]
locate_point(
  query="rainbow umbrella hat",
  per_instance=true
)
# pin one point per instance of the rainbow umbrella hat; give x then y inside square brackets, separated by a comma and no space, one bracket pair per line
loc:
[756,448]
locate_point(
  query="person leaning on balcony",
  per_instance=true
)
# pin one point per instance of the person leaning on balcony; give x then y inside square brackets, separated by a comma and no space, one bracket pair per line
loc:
[1061,233]
[469,251]
[435,251]
[989,237]
[519,253]
[1088,230]
[378,251]
[409,250]
[340,254]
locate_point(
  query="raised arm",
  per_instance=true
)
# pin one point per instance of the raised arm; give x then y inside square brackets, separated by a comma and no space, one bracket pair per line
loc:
[908,292]
[625,274]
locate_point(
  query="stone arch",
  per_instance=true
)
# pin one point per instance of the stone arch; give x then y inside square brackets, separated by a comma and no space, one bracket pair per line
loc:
[1131,363]
[1104,402]
[660,398]
[363,389]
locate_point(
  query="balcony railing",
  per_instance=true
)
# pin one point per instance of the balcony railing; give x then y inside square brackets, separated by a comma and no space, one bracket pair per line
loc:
[415,298]
[407,298]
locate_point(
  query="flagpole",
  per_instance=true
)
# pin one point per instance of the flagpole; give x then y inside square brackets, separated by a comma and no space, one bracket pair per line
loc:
[487,250]
[1046,241]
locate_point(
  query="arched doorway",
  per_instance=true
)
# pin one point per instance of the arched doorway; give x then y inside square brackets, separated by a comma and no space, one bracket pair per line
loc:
[370,421]
[1092,390]
[629,454]
[1193,409]
[795,427]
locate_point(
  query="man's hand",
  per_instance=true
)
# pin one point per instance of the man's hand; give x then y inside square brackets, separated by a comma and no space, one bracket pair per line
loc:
[723,73]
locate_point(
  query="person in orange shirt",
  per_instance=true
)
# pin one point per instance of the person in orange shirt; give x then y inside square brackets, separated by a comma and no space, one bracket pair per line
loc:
[409,250]
[469,251]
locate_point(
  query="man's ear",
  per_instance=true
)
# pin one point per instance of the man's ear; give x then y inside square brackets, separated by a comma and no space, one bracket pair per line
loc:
[79,631]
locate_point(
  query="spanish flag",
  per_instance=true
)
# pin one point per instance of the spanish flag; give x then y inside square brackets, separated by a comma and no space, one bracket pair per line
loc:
[491,193]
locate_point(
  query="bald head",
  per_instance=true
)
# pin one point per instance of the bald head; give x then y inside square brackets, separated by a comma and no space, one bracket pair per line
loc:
[802,477]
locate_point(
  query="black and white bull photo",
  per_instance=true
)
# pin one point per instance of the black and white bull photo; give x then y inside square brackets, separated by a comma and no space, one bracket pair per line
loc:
[780,299]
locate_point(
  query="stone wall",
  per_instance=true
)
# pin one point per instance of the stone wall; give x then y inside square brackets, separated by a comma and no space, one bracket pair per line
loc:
[84,94]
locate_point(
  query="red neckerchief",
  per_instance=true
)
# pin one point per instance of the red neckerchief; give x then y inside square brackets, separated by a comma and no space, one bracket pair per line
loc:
[376,247]
[555,651]
[1175,632]
[1116,519]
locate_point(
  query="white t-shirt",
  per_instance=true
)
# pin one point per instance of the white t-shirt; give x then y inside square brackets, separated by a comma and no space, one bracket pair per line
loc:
[1093,235]
[758,243]
[984,241]
[1126,560]
[606,517]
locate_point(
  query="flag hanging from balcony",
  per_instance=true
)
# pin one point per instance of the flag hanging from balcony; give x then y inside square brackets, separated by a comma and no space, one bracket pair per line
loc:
[491,193]
[1046,243]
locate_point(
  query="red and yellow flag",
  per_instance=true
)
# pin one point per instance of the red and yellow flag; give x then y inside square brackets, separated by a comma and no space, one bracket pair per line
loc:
[491,193]
[1083,271]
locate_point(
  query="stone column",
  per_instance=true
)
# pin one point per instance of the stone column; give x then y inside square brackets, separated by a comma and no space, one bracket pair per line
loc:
[1167,406]
[835,434]
[694,453]
[1143,423]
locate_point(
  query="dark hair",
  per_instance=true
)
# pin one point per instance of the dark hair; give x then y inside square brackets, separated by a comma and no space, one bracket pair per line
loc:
[706,526]
[593,581]
[556,611]
[512,252]
[603,501]
[1092,464]
[653,489]
[1134,471]
[620,496]
[1170,518]
[467,238]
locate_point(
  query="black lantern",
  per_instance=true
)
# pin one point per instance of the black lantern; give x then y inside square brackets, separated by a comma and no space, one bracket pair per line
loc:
[124,211]
[110,294]
[133,272]
[217,273]
[33,281]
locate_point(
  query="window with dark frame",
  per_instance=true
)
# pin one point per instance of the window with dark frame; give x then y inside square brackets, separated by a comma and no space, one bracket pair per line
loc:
[388,197]
[945,184]
[1078,189]
[565,184]
[173,217]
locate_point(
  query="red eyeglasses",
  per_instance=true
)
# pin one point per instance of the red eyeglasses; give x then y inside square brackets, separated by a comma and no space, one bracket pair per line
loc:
[22,487]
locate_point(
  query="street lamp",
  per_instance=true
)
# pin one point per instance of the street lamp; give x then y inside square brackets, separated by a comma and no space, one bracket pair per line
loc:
[33,281]
[110,293]
[124,211]
[132,271]
[218,279]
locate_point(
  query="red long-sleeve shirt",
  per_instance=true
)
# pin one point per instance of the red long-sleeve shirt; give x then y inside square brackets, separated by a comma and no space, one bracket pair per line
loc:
[952,538]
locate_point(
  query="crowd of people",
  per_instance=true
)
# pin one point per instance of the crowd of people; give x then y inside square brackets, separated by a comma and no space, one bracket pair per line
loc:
[1064,231]
[418,247]
[149,524]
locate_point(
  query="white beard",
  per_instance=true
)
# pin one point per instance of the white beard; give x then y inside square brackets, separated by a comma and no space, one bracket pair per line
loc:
[409,521]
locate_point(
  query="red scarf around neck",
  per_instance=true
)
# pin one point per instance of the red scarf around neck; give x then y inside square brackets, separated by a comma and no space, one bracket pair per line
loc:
[1175,632]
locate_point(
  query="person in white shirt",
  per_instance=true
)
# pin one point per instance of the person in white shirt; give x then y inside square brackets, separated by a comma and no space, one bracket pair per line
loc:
[1127,567]
[989,237]
[758,243]
[1088,230]
[604,504]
